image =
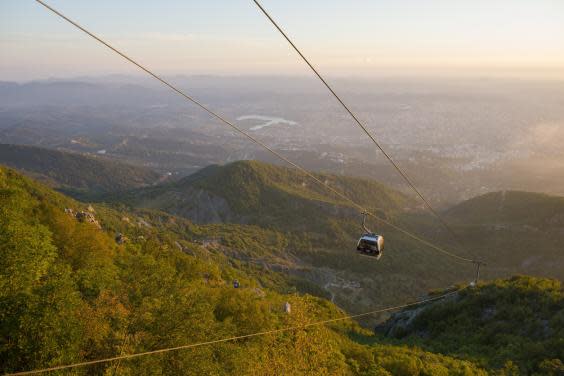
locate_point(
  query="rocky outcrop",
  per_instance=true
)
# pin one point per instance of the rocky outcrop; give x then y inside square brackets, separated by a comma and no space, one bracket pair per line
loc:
[84,216]
[198,205]
[401,323]
[88,217]
[121,238]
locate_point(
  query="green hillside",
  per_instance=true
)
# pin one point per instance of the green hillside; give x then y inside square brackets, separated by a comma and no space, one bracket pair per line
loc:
[259,193]
[75,173]
[511,208]
[518,320]
[247,183]
[320,232]
[521,231]
[70,292]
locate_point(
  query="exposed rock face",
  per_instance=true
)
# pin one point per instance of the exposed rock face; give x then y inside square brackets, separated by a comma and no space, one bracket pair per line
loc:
[210,242]
[197,205]
[83,216]
[208,208]
[121,239]
[401,322]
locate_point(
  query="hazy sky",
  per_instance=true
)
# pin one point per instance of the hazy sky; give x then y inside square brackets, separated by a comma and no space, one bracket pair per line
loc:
[344,37]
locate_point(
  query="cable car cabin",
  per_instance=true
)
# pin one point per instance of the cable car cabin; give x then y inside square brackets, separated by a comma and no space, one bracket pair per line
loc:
[371,244]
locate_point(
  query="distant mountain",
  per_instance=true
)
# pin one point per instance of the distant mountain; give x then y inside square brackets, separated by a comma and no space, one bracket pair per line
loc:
[75,173]
[68,93]
[511,208]
[260,193]
[522,231]
[520,319]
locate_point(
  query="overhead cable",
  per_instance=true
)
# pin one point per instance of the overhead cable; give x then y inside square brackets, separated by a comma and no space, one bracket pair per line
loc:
[247,135]
[362,126]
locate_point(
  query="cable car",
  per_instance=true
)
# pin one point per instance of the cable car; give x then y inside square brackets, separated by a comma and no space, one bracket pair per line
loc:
[370,244]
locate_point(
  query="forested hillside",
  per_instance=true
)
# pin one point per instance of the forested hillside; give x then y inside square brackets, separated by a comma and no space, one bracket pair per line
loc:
[71,291]
[519,320]
[320,232]
[75,173]
[525,229]
[113,282]
[260,193]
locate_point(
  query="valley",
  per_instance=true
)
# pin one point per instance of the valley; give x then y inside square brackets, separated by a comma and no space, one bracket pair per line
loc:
[457,139]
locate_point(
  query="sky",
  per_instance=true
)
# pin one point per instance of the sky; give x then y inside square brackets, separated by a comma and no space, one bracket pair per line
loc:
[523,38]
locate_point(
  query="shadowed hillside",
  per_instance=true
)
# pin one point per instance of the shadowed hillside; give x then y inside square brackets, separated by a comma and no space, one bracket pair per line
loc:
[75,173]
[511,208]
[522,231]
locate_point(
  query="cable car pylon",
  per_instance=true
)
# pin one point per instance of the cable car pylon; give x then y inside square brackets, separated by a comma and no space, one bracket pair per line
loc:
[477,277]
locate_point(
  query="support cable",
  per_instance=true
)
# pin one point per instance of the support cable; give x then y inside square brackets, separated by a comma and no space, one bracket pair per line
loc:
[257,334]
[247,135]
[362,126]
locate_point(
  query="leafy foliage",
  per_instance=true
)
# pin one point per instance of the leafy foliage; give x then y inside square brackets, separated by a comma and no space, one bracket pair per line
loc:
[518,320]
[70,293]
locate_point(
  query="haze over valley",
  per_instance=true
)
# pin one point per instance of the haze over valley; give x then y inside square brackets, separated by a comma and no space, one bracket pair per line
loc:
[457,137]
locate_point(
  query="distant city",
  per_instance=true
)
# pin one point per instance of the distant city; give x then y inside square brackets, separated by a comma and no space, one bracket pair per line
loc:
[458,138]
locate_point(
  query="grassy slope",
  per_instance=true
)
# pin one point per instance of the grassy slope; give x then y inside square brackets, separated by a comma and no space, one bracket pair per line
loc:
[243,183]
[268,195]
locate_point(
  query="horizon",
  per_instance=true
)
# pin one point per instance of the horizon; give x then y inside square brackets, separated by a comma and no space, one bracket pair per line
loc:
[142,79]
